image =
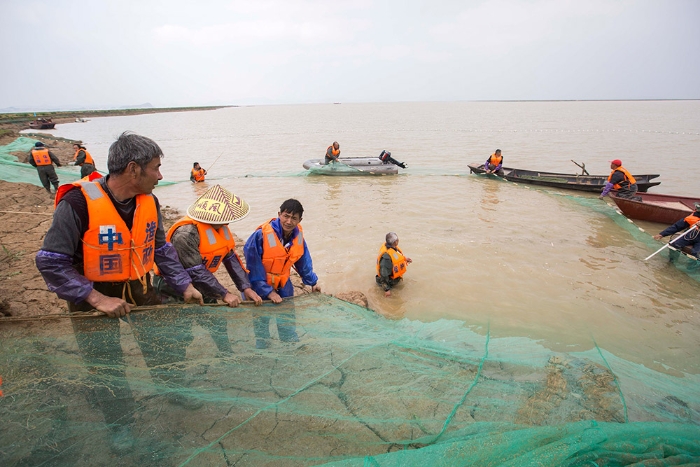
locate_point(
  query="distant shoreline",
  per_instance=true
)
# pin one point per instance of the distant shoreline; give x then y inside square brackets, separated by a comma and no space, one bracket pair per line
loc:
[12,123]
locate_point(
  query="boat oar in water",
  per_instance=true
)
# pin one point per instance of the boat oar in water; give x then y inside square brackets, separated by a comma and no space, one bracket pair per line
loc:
[694,227]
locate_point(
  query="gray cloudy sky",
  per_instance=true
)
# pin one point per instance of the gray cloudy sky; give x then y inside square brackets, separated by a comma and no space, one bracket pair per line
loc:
[70,54]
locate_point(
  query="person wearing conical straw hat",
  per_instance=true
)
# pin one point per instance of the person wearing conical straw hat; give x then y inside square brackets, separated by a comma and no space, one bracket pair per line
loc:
[204,242]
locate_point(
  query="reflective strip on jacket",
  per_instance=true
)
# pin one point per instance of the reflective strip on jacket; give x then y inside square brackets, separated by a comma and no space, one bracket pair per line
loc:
[628,177]
[398,261]
[111,252]
[214,244]
[88,157]
[41,157]
[198,175]
[276,259]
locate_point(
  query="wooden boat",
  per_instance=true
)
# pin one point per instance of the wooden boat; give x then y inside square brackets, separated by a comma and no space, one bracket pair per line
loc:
[353,166]
[653,207]
[42,124]
[591,183]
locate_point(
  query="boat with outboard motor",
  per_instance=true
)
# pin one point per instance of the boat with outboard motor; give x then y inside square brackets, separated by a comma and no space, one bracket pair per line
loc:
[382,165]
[591,183]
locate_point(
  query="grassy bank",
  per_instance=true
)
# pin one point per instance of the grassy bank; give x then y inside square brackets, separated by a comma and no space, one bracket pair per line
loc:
[26,117]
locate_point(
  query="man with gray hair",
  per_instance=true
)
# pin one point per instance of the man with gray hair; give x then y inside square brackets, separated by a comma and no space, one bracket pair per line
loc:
[105,237]
[391,264]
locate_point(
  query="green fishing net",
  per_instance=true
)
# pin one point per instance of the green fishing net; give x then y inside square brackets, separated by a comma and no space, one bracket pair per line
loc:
[12,170]
[337,168]
[317,381]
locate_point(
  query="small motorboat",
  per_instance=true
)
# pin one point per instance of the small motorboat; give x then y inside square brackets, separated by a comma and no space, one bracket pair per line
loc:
[382,165]
[42,124]
[653,207]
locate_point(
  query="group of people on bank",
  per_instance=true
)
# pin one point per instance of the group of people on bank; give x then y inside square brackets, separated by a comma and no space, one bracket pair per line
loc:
[43,159]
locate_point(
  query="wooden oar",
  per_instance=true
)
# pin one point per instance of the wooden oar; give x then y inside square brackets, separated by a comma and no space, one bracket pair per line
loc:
[695,226]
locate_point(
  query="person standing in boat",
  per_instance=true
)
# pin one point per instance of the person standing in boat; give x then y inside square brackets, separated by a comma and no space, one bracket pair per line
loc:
[332,153]
[621,180]
[43,160]
[198,173]
[391,264]
[494,164]
[691,239]
[83,158]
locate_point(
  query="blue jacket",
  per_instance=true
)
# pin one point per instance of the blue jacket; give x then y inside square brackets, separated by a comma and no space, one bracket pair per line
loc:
[253,251]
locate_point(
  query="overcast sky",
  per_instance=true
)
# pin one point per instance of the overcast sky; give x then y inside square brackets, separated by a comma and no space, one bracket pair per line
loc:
[96,54]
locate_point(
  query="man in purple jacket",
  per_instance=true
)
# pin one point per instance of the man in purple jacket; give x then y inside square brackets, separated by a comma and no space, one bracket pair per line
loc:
[74,245]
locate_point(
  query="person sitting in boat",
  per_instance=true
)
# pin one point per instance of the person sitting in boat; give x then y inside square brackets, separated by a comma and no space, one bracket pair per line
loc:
[494,164]
[83,158]
[385,156]
[691,238]
[198,173]
[332,153]
[621,180]
[391,264]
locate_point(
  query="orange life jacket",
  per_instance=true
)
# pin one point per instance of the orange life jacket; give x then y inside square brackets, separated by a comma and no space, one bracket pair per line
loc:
[198,175]
[276,259]
[495,160]
[628,177]
[111,252]
[398,261]
[334,151]
[63,189]
[88,157]
[691,220]
[41,157]
[214,244]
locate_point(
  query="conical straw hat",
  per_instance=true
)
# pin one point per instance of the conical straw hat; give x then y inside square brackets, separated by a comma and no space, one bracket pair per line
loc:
[218,206]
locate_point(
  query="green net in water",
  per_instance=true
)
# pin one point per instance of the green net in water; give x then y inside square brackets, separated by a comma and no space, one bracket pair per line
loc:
[318,381]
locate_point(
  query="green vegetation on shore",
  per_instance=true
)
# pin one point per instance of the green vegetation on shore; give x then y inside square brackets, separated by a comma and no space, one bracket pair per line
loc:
[29,116]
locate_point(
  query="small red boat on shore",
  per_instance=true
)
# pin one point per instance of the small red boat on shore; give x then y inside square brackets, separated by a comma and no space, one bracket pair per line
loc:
[653,207]
[42,124]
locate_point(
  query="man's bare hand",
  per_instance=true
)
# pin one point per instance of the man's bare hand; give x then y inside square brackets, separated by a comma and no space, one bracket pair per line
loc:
[274,296]
[232,300]
[251,295]
[111,306]
[193,295]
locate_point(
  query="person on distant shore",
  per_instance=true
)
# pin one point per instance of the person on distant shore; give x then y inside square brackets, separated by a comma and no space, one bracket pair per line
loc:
[198,173]
[691,238]
[105,237]
[204,242]
[621,180]
[270,253]
[494,164]
[83,158]
[391,264]
[332,153]
[43,159]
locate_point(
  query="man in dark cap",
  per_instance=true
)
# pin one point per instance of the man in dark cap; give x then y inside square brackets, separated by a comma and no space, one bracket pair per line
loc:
[621,180]
[43,159]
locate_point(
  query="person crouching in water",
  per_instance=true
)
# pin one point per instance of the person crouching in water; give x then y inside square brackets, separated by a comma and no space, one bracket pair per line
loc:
[391,264]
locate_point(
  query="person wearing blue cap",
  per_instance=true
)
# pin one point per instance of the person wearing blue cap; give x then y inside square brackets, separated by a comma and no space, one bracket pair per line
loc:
[43,159]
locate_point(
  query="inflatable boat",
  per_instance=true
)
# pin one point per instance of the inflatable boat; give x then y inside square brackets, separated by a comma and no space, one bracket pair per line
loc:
[382,165]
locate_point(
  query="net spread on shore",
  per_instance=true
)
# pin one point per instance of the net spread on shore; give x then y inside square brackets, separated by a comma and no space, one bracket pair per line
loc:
[334,384]
[11,170]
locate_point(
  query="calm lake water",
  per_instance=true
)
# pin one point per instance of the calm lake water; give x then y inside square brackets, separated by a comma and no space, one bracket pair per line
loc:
[546,264]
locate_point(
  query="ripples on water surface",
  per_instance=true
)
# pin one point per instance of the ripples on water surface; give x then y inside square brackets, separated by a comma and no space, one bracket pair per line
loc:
[524,261]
